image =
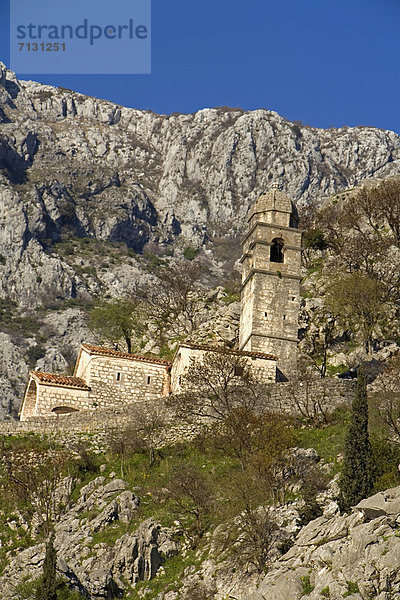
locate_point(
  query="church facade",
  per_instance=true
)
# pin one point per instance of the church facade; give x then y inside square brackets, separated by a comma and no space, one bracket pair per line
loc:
[270,297]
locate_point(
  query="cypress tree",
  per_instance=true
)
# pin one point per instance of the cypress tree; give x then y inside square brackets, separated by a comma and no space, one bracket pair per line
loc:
[47,589]
[357,478]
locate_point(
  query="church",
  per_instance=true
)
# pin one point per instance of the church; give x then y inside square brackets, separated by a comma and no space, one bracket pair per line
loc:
[270,300]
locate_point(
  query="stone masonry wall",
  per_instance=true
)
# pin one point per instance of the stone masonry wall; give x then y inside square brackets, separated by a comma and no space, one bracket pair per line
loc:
[319,394]
[52,396]
[264,370]
[114,381]
[331,393]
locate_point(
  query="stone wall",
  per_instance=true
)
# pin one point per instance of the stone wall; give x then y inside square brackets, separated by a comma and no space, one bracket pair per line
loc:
[264,370]
[307,396]
[52,396]
[114,381]
[328,393]
[96,424]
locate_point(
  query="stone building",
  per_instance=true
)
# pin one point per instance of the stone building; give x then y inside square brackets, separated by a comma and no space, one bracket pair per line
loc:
[271,262]
[102,377]
[271,276]
[262,366]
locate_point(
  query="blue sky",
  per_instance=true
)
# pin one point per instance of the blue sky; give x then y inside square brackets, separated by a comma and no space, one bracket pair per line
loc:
[326,63]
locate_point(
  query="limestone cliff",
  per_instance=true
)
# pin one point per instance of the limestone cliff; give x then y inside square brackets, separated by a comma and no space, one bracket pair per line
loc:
[353,555]
[89,189]
[336,556]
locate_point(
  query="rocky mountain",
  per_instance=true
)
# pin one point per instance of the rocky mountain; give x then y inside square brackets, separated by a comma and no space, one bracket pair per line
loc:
[87,561]
[105,548]
[336,556]
[92,194]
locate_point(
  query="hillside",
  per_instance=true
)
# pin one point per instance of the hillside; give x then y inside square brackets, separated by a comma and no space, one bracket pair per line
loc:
[188,523]
[93,196]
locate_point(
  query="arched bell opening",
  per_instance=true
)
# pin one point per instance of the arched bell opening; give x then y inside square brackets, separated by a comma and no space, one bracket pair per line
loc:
[276,253]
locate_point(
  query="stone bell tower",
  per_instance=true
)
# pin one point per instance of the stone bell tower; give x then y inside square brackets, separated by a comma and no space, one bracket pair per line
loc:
[270,297]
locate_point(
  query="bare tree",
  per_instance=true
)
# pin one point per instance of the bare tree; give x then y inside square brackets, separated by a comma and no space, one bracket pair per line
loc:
[362,230]
[258,441]
[142,435]
[386,396]
[214,385]
[320,337]
[173,298]
[359,302]
[193,497]
[381,205]
[30,480]
[251,534]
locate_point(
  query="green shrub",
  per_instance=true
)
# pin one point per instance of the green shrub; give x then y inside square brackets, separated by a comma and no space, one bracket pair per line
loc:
[387,458]
[190,253]
[307,588]
[352,588]
[285,545]
[34,354]
[310,511]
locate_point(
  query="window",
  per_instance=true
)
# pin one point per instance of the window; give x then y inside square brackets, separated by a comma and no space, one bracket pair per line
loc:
[284,317]
[118,376]
[148,380]
[266,315]
[276,251]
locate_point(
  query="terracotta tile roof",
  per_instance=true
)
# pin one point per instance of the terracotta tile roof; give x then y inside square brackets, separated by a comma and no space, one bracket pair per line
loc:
[64,380]
[229,351]
[117,354]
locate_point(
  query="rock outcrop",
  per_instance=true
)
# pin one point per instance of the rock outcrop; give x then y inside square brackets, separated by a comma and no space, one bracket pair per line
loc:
[79,166]
[97,569]
[355,556]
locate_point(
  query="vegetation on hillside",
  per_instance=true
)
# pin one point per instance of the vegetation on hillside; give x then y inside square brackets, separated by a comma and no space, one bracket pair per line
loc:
[352,257]
[229,476]
[223,485]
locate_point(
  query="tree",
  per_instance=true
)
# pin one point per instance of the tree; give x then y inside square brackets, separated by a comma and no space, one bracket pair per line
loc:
[353,248]
[362,231]
[381,205]
[141,436]
[30,478]
[358,471]
[321,335]
[386,396]
[47,588]
[313,407]
[193,497]
[314,481]
[172,299]
[261,443]
[215,385]
[251,533]
[359,302]
[118,320]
